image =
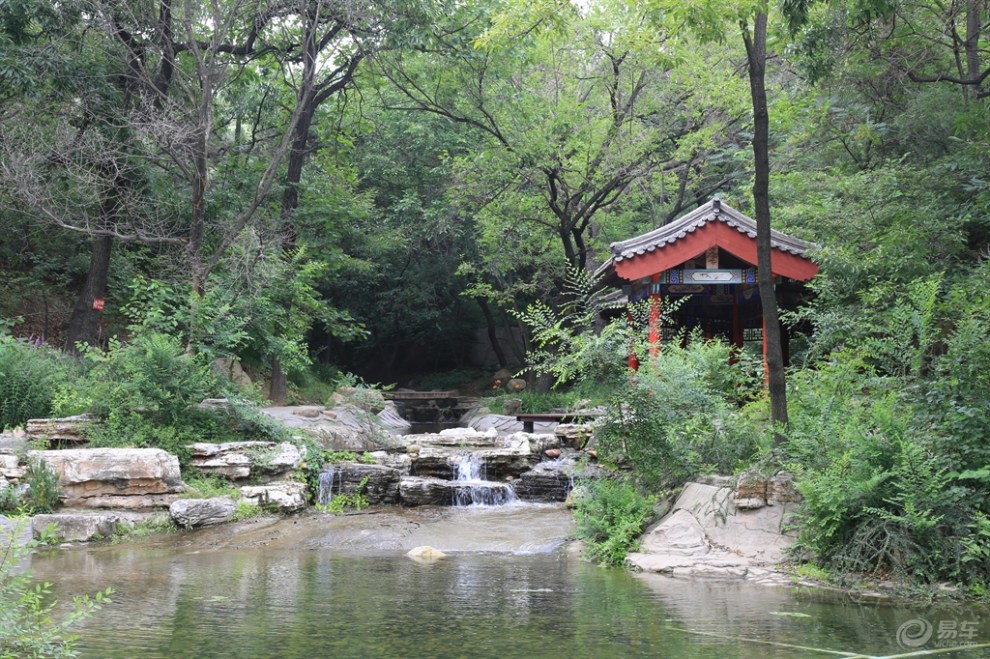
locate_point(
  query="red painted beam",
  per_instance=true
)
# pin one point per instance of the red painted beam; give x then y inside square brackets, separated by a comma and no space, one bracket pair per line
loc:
[713,234]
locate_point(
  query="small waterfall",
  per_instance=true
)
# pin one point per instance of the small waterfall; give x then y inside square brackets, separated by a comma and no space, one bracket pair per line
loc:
[471,487]
[324,491]
[469,468]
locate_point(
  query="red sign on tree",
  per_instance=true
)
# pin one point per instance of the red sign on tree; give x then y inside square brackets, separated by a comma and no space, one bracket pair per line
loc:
[98,303]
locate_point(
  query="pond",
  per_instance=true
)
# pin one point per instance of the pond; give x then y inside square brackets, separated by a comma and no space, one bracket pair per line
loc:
[315,591]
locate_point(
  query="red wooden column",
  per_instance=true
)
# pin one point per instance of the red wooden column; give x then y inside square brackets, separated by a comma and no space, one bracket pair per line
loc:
[711,263]
[655,328]
[738,341]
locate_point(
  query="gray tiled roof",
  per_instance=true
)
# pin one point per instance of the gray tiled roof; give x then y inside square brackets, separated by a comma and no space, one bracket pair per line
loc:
[713,211]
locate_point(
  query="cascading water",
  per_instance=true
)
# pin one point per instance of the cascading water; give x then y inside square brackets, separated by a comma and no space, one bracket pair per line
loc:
[472,488]
[325,482]
[469,467]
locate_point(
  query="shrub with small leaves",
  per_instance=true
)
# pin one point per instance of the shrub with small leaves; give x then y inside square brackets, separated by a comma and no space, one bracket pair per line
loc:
[43,493]
[29,373]
[610,517]
[27,624]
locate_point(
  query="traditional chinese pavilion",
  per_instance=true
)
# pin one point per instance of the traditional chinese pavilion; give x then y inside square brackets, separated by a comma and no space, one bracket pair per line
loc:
[708,259]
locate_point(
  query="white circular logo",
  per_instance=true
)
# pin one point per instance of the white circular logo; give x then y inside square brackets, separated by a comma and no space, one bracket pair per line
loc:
[914,633]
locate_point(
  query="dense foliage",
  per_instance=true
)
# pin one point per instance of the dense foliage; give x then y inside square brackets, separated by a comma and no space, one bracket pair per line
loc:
[381,187]
[29,374]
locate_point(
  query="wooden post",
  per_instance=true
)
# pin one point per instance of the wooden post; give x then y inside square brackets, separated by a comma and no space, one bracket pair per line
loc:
[655,326]
[738,341]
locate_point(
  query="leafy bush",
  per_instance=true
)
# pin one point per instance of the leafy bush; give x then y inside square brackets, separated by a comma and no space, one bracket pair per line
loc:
[610,516]
[536,402]
[245,510]
[29,374]
[152,375]
[28,626]
[43,493]
[147,394]
[208,487]
[40,496]
[10,499]
[677,417]
[877,499]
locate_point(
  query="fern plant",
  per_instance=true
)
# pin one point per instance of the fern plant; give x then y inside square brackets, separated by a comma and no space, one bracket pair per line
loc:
[568,345]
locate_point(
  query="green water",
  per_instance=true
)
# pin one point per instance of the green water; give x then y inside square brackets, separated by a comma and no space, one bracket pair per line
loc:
[284,603]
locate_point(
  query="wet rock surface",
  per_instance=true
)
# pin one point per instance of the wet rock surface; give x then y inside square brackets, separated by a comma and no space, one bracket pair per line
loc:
[428,491]
[499,463]
[545,483]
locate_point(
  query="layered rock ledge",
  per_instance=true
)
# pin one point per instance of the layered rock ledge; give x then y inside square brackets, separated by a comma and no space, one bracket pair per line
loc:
[117,478]
[706,534]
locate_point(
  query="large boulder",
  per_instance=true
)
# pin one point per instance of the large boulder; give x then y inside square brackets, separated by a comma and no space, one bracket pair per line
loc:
[574,435]
[425,554]
[401,462]
[74,527]
[392,419]
[344,428]
[286,497]
[707,535]
[781,489]
[751,490]
[232,370]
[537,442]
[202,512]
[240,460]
[460,437]
[125,478]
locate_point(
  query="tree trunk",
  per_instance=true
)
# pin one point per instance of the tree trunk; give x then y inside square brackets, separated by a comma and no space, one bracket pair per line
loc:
[973,29]
[756,53]
[290,201]
[84,323]
[492,333]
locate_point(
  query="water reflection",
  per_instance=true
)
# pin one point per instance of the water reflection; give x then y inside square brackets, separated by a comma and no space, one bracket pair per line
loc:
[282,603]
